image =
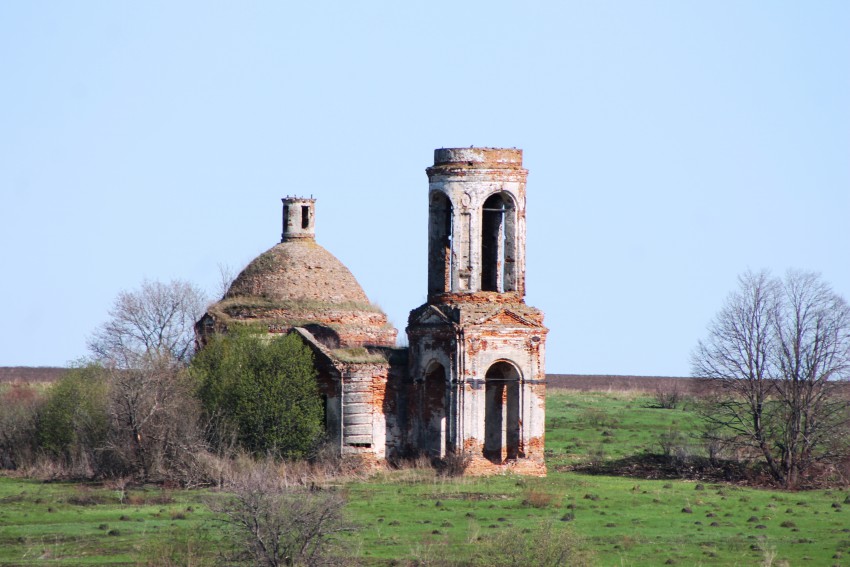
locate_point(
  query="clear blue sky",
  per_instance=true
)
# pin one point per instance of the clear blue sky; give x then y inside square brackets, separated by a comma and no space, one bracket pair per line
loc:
[671,145]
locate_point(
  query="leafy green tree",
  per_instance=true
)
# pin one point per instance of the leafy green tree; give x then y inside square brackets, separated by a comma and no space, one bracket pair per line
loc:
[262,388]
[74,422]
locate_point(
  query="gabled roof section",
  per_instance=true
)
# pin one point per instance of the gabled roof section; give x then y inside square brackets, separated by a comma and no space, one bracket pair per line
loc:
[428,315]
[318,348]
[466,313]
[342,356]
[508,318]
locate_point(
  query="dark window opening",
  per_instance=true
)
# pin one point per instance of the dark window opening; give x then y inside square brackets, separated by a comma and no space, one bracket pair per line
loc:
[361,445]
[497,243]
[440,244]
[305,216]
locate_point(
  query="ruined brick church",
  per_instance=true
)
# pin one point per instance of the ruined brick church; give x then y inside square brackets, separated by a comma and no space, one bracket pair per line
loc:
[472,379]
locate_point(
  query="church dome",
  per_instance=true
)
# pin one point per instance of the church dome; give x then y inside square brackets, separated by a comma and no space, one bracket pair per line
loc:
[298,270]
[297,283]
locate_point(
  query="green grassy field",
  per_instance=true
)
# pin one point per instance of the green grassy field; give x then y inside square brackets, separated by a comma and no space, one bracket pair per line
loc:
[66,523]
[414,514]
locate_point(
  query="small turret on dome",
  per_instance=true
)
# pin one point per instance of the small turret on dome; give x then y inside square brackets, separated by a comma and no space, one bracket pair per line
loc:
[299,218]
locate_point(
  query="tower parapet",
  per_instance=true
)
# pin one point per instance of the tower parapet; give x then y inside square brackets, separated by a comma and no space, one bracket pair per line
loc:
[495,158]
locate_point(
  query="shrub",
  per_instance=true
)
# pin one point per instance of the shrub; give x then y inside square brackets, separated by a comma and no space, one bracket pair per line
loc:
[668,399]
[455,463]
[277,523]
[546,545]
[597,417]
[20,405]
[537,498]
[153,424]
[74,423]
[263,390]
[675,444]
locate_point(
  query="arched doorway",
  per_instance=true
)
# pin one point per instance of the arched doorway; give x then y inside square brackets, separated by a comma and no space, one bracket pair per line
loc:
[498,243]
[501,413]
[434,428]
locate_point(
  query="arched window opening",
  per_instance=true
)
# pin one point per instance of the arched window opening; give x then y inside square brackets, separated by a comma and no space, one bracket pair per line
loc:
[498,243]
[434,428]
[501,413]
[439,243]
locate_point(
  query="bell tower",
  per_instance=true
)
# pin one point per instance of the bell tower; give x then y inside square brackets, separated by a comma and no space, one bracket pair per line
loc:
[476,221]
[476,349]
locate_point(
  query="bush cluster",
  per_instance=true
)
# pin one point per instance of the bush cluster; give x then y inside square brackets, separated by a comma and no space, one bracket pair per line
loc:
[163,421]
[261,392]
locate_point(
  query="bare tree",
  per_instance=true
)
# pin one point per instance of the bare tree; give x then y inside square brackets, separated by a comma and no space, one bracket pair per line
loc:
[812,331]
[779,351]
[144,348]
[155,321]
[20,406]
[154,419]
[226,275]
[278,523]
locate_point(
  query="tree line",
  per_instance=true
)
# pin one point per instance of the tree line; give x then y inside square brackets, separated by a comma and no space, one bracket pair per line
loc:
[145,406]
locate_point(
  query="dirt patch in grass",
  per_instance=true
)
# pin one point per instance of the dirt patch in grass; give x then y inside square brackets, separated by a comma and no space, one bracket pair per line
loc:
[472,496]
[89,499]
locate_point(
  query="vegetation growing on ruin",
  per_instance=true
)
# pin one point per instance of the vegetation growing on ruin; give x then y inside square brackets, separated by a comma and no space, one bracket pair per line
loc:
[230,308]
[359,354]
